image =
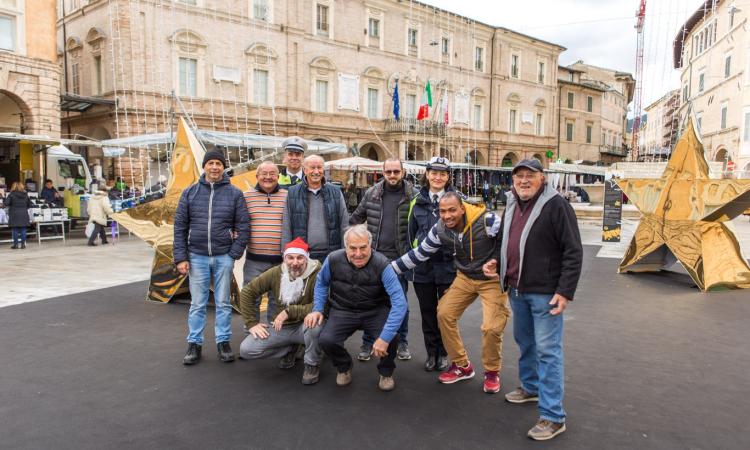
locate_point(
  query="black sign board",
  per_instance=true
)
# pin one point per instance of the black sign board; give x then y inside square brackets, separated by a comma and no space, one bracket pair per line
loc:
[612,220]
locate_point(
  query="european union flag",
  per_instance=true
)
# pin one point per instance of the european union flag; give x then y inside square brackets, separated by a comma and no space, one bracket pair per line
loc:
[395,102]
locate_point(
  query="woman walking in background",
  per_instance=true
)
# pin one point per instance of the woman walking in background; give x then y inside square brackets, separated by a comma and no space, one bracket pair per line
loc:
[18,204]
[99,209]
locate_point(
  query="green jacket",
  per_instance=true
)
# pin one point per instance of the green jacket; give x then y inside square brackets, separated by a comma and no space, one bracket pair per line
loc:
[270,281]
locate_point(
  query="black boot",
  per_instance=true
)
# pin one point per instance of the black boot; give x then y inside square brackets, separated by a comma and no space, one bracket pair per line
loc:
[14,246]
[441,364]
[23,245]
[91,244]
[193,354]
[429,364]
[225,352]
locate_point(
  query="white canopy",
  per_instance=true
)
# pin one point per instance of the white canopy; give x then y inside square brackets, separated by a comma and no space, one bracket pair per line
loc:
[357,163]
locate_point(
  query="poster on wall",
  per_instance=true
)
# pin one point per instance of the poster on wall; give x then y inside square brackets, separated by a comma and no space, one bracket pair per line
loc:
[461,108]
[612,219]
[348,92]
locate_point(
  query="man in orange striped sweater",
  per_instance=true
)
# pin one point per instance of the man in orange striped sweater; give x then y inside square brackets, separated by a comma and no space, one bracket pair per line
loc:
[266,205]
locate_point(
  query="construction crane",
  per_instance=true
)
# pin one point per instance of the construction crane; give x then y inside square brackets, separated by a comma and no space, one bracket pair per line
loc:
[637,109]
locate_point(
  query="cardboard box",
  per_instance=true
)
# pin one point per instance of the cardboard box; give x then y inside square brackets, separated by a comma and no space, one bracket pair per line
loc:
[46,215]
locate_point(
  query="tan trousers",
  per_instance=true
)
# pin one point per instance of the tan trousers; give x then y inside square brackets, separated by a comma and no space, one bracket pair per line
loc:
[495,313]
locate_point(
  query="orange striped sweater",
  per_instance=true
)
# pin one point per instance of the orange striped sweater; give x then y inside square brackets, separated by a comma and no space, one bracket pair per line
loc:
[266,213]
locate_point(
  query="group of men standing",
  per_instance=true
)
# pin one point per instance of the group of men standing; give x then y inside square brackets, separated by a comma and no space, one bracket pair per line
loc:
[327,275]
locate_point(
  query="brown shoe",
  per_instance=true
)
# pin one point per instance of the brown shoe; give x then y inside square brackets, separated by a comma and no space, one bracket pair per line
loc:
[521,396]
[545,430]
[386,383]
[344,378]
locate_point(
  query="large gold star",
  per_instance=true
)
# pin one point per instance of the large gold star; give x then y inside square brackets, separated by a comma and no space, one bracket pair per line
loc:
[154,221]
[684,217]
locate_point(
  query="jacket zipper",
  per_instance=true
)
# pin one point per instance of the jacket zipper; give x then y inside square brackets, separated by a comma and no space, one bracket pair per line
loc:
[210,213]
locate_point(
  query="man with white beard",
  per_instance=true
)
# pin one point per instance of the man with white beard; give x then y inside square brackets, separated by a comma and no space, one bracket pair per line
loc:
[292,285]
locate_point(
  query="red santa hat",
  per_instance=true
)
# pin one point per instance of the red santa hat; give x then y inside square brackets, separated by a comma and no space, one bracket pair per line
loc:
[297,247]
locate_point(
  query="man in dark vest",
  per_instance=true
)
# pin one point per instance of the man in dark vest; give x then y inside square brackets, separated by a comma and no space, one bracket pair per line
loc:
[364,295]
[385,210]
[315,211]
[472,233]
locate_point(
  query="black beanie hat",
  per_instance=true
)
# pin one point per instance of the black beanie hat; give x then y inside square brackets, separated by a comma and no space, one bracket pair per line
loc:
[214,154]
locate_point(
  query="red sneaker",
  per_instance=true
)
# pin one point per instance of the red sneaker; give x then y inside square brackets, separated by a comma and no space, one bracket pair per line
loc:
[455,373]
[491,382]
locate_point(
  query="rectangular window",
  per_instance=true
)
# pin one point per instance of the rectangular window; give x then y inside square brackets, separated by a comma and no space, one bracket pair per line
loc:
[569,132]
[477,117]
[445,46]
[727,66]
[746,135]
[724,116]
[512,121]
[410,106]
[260,87]
[372,103]
[698,121]
[590,104]
[684,93]
[514,66]
[539,125]
[701,82]
[589,130]
[7,33]
[188,77]
[97,88]
[540,73]
[479,59]
[260,9]
[322,20]
[571,98]
[75,78]
[413,38]
[321,96]
[373,28]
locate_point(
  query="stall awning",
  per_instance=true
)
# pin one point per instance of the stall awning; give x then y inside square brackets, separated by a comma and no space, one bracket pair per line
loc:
[80,103]
[29,138]
[357,163]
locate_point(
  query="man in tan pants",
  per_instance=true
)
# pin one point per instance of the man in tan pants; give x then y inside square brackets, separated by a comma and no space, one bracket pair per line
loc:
[472,233]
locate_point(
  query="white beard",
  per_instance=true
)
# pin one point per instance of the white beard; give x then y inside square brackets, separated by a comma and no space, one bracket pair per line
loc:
[290,291]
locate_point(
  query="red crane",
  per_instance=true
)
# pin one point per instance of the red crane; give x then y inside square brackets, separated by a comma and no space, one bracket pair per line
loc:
[637,109]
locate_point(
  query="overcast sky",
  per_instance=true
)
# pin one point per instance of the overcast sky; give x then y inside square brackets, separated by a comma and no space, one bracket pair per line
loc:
[600,32]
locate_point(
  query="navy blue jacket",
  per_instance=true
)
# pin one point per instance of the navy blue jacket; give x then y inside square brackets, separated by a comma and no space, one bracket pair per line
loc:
[423,215]
[206,217]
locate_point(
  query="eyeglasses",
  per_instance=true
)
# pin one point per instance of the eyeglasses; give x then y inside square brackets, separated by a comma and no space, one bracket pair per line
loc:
[392,172]
[525,176]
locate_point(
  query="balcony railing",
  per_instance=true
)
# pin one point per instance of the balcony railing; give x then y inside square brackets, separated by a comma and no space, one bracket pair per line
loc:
[410,125]
[613,150]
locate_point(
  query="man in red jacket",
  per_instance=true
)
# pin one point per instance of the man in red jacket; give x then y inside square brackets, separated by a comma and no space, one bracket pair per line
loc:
[540,263]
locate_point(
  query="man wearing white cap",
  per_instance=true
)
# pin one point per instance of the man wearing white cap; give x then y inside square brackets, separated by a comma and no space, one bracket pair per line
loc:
[294,148]
[291,284]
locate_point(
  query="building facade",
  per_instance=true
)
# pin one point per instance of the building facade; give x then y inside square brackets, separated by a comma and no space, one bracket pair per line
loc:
[593,113]
[29,82]
[321,69]
[712,52]
[659,134]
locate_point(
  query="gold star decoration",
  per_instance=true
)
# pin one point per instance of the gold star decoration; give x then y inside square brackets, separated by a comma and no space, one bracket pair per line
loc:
[685,215]
[154,221]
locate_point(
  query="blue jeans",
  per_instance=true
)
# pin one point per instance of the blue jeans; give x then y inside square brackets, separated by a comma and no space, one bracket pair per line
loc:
[203,270]
[539,335]
[404,329]
[19,235]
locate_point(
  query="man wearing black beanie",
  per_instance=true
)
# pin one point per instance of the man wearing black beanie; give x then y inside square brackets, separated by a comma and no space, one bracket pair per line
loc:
[211,230]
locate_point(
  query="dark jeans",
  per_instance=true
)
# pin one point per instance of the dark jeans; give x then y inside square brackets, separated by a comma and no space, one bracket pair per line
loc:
[19,235]
[342,324]
[368,339]
[99,230]
[428,295]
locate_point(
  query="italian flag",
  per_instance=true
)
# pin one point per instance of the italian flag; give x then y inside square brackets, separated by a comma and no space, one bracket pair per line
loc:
[426,103]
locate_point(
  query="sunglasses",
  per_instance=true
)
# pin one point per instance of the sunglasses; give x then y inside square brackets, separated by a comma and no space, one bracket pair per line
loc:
[392,172]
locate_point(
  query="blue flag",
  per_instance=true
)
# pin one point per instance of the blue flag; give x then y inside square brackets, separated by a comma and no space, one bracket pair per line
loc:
[395,102]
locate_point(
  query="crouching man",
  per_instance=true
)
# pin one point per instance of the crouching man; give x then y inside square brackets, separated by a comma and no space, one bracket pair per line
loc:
[292,285]
[365,294]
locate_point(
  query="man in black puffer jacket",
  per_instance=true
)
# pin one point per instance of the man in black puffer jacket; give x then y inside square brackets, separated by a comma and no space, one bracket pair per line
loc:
[210,232]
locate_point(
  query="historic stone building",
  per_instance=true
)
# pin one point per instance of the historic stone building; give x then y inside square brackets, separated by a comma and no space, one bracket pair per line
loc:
[659,135]
[322,69]
[711,51]
[593,112]
[29,83]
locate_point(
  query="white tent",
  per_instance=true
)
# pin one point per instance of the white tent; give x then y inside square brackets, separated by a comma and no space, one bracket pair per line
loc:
[357,163]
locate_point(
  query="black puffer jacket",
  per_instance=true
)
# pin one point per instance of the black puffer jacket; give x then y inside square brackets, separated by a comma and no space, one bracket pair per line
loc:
[206,217]
[440,268]
[18,204]
[370,209]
